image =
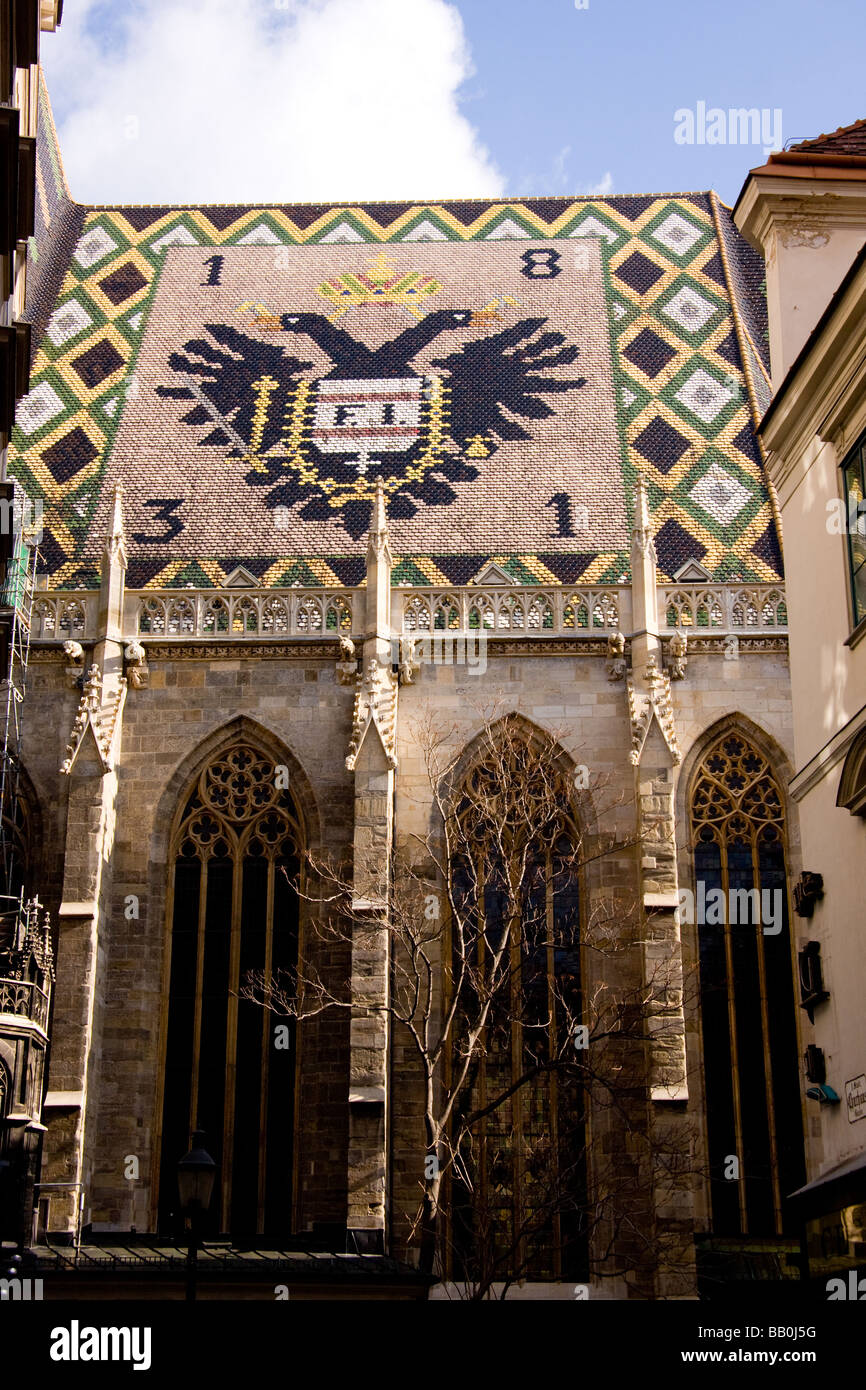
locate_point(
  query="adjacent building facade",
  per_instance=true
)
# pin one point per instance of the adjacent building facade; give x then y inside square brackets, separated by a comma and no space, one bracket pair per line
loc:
[806,212]
[25,937]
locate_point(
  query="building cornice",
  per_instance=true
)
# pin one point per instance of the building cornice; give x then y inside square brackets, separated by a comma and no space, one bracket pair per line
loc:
[826,758]
[772,198]
[822,390]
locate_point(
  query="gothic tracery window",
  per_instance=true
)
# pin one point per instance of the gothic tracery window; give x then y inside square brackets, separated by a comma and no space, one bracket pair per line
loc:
[747,991]
[520,1209]
[234,909]
[17,835]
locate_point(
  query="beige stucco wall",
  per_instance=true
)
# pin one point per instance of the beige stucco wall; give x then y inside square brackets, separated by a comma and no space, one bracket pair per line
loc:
[828,678]
[806,260]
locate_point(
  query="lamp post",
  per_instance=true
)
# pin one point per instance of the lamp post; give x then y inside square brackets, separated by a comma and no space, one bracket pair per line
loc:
[195,1179]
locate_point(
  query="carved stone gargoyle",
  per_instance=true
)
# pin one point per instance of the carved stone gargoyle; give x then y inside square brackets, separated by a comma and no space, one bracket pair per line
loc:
[74,653]
[137,672]
[616,666]
[677,655]
[347,666]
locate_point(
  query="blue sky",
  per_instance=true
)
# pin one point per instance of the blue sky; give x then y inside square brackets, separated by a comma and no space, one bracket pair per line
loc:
[604,84]
[281,100]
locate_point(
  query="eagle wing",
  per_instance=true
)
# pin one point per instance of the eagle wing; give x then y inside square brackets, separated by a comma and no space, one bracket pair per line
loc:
[221,382]
[506,372]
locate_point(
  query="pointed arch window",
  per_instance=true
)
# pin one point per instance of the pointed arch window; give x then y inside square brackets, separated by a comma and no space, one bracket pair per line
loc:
[520,1209]
[18,835]
[748,1008]
[233,909]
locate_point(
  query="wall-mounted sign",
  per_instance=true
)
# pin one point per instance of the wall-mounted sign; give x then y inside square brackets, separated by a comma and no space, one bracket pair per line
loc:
[855,1095]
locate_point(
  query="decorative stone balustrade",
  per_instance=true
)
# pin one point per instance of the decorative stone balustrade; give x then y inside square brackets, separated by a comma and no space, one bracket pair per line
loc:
[63,617]
[723,607]
[531,611]
[225,613]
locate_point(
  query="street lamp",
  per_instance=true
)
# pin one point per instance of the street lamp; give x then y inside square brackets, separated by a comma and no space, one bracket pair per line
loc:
[195,1179]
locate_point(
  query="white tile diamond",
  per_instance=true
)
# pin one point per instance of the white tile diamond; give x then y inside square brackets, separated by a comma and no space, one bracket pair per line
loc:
[262,235]
[94,246]
[344,231]
[676,234]
[720,495]
[703,396]
[178,236]
[110,406]
[425,231]
[134,320]
[506,230]
[38,407]
[590,226]
[628,397]
[618,310]
[689,309]
[65,322]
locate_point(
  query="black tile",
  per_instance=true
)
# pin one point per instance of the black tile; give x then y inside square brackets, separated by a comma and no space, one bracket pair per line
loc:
[766,548]
[548,209]
[714,269]
[142,569]
[568,568]
[142,218]
[122,283]
[69,455]
[674,545]
[747,444]
[649,352]
[729,350]
[383,214]
[303,215]
[639,272]
[349,569]
[466,212]
[97,363]
[51,554]
[221,218]
[661,444]
[632,208]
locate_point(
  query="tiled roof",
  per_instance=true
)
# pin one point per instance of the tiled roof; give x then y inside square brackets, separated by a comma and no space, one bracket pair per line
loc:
[848,139]
[506,366]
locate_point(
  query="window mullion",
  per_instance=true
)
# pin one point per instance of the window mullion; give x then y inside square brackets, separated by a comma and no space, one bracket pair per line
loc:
[766,1060]
[266,1051]
[199,982]
[232,1037]
[732,1026]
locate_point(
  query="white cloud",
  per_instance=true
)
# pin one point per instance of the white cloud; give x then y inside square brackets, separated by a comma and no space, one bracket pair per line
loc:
[603,187]
[264,101]
[557,179]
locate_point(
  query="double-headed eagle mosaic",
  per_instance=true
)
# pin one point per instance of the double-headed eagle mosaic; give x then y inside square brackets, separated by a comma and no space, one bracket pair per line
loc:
[318,441]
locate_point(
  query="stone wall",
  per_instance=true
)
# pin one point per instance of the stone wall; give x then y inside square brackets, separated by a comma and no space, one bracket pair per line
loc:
[198,696]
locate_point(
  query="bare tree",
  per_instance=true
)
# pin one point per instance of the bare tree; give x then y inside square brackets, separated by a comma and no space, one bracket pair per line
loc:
[526,1010]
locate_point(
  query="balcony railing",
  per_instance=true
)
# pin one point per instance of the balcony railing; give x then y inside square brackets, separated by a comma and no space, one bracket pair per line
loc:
[528,611]
[24,999]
